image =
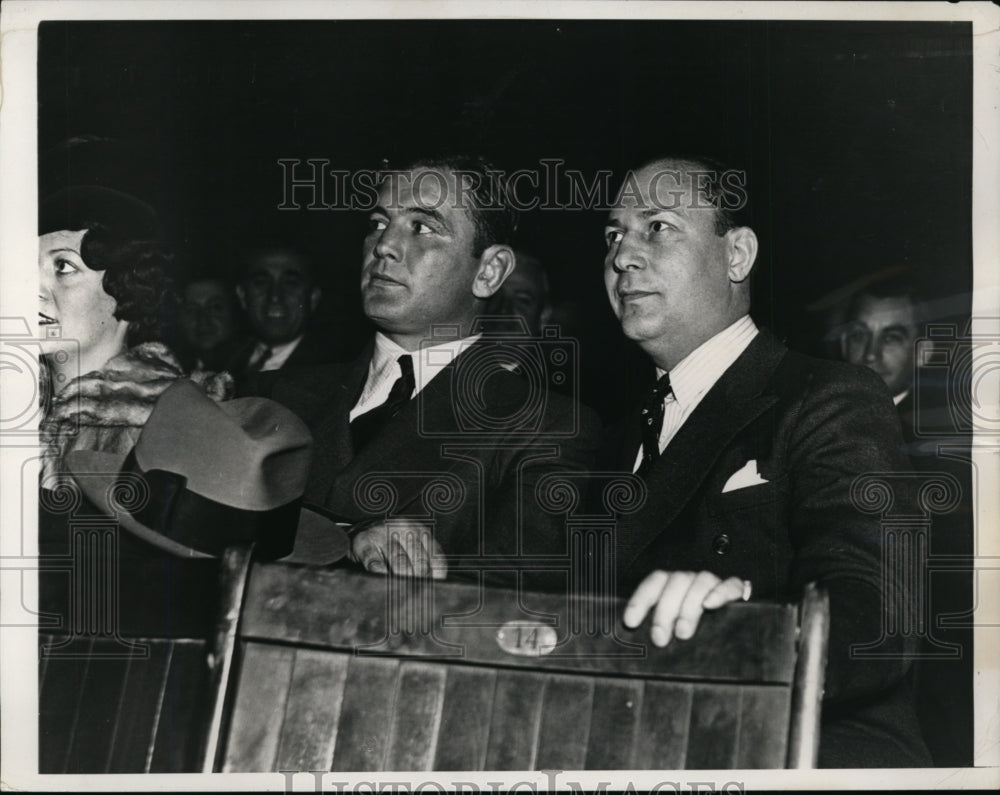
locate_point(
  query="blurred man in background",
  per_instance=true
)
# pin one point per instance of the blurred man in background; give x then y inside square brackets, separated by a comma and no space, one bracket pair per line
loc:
[525,294]
[210,324]
[279,294]
[882,324]
[881,332]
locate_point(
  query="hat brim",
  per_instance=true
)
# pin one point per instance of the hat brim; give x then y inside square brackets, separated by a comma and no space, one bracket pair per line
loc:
[319,539]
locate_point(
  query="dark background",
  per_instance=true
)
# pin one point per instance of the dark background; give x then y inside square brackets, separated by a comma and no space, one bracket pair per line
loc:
[857,137]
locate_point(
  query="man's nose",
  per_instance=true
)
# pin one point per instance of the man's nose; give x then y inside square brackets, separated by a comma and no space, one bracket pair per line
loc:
[389,245]
[628,256]
[275,293]
[873,349]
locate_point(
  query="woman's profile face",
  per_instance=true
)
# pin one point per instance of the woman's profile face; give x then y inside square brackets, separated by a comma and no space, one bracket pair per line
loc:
[74,309]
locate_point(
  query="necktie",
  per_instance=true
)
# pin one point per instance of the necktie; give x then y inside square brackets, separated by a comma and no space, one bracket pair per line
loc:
[366,425]
[257,362]
[652,423]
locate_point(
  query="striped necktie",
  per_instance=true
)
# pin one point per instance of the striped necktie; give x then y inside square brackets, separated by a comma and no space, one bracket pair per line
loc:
[652,423]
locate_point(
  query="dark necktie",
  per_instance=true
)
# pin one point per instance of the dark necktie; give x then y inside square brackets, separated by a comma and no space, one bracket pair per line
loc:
[652,423]
[254,367]
[365,426]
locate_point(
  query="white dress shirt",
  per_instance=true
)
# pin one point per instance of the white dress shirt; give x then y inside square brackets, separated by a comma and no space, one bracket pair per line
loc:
[384,370]
[279,354]
[697,373]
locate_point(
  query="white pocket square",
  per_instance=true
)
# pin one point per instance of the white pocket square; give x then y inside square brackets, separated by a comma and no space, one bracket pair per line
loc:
[746,476]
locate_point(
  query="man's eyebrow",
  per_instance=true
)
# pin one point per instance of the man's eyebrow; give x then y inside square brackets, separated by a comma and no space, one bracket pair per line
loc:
[651,211]
[428,212]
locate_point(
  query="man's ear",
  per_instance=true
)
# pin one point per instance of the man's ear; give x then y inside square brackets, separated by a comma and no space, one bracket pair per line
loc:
[241,297]
[742,250]
[315,296]
[495,265]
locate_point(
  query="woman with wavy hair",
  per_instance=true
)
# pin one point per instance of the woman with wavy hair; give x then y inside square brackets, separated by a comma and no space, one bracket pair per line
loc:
[106,305]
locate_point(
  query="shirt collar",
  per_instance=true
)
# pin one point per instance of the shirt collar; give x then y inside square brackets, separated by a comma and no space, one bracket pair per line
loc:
[276,354]
[278,350]
[428,360]
[697,372]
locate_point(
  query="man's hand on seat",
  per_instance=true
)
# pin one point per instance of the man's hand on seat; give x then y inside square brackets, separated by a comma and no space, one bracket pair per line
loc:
[678,598]
[404,547]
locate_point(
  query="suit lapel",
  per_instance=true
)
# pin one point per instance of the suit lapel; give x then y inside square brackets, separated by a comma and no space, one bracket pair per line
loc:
[736,400]
[404,446]
[303,353]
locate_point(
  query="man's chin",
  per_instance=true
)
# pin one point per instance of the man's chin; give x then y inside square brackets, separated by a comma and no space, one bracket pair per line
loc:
[377,304]
[638,329]
[278,333]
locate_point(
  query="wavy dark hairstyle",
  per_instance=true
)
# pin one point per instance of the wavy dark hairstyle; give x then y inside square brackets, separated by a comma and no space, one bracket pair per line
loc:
[137,274]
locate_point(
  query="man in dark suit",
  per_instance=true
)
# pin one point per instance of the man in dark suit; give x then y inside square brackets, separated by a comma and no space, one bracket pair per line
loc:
[279,295]
[428,443]
[749,452]
[882,325]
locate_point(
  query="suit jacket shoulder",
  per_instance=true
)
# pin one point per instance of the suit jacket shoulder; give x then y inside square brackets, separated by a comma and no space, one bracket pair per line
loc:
[314,391]
[797,372]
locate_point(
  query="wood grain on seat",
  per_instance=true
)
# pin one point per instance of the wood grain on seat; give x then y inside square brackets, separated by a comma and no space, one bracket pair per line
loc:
[345,671]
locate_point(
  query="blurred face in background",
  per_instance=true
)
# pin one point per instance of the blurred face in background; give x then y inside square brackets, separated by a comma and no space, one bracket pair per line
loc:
[524,294]
[76,315]
[278,295]
[208,317]
[881,337]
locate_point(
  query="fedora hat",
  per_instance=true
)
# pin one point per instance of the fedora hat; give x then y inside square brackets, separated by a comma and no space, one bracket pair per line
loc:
[205,475]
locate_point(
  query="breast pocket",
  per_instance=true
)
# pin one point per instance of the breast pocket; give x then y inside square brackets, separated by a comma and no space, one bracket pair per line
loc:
[760,496]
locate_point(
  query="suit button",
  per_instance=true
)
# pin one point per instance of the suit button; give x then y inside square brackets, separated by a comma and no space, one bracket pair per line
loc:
[721,544]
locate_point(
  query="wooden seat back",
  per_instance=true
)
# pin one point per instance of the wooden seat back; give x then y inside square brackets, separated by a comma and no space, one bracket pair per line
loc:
[110,707]
[338,670]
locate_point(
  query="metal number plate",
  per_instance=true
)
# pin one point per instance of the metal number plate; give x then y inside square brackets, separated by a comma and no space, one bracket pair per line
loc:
[526,638]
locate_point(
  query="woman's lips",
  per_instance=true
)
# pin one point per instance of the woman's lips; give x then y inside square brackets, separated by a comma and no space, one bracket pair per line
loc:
[45,320]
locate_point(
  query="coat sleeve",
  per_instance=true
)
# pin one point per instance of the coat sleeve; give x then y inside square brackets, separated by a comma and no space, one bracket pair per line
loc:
[520,524]
[845,434]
